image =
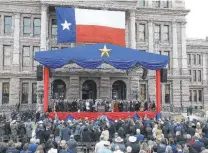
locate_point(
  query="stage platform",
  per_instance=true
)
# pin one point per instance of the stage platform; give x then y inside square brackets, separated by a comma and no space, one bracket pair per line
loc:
[94,115]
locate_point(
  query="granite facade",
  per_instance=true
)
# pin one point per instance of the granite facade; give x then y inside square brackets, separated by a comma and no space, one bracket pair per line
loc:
[178,77]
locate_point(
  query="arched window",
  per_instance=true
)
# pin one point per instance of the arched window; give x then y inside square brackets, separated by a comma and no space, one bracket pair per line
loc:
[59,89]
[119,90]
[89,90]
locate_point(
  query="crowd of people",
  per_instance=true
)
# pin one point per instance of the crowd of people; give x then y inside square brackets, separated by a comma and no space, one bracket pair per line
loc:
[103,136]
[91,105]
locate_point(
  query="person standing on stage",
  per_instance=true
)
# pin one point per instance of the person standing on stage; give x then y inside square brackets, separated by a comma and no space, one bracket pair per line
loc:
[74,106]
[120,106]
[146,106]
[116,108]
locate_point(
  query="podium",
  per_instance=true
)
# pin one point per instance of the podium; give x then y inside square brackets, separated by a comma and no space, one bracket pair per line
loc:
[101,108]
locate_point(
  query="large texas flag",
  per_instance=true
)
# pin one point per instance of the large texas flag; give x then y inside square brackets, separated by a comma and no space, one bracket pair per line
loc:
[90,26]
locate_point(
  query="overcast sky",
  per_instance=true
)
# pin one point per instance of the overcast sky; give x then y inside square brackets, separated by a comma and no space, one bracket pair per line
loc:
[197,19]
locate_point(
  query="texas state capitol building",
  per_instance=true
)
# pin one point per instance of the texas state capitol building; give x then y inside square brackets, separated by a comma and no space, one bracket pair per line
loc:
[27,26]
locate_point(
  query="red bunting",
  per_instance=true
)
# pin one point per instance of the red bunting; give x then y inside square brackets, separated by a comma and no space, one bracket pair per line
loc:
[95,115]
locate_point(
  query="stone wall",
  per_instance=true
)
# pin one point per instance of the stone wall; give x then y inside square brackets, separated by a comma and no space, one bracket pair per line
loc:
[105,87]
[176,92]
[74,87]
[152,89]
[185,92]
[33,9]
[14,91]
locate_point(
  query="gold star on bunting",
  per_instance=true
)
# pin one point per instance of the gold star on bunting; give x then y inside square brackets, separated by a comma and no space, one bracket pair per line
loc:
[105,51]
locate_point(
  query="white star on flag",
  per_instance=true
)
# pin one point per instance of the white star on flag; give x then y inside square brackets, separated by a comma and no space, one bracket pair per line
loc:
[66,25]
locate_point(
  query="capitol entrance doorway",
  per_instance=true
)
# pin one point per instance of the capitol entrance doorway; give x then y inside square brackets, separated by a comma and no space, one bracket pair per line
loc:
[59,89]
[89,90]
[119,90]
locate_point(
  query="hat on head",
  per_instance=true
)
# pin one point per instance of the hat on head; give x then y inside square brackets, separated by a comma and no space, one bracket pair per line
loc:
[40,122]
[132,139]
[72,137]
[107,143]
[118,139]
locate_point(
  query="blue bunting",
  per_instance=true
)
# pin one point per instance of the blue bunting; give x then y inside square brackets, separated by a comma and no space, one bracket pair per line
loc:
[89,57]
[136,117]
[158,116]
[69,118]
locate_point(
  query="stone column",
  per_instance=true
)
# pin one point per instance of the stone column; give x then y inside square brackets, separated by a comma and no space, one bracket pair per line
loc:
[205,90]
[127,31]
[173,3]
[134,87]
[184,70]
[176,92]
[44,16]
[133,29]
[151,81]
[43,46]
[14,92]
[1,58]
[204,56]
[163,93]
[183,48]
[16,51]
[0,93]
[175,57]
[150,37]
[74,87]
[30,93]
[105,87]
[149,3]
[176,87]
[67,88]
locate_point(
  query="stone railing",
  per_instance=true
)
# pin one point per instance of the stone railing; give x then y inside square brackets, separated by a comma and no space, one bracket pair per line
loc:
[173,109]
[23,107]
[179,110]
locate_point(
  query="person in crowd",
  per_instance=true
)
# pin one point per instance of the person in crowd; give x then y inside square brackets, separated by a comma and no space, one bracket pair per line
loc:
[197,145]
[179,149]
[65,132]
[39,149]
[105,133]
[63,147]
[29,129]
[72,144]
[120,143]
[11,147]
[33,145]
[139,136]
[100,144]
[26,149]
[101,135]
[198,129]
[132,143]
[105,148]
